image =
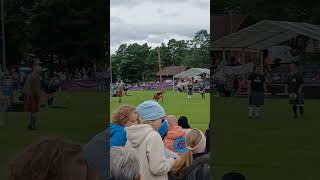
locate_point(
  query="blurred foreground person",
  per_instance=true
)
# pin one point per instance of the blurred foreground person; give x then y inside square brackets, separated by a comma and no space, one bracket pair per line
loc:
[52,159]
[124,164]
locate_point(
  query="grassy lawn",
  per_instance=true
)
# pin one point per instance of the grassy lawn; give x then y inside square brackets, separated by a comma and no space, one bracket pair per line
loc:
[196,109]
[273,147]
[83,119]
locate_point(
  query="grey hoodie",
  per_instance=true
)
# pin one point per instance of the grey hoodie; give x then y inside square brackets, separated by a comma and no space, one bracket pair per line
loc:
[150,148]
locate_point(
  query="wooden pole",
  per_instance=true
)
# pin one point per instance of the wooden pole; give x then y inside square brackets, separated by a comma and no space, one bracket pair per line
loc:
[159,62]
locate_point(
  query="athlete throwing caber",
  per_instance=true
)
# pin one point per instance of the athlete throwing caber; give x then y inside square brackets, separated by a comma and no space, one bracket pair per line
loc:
[256,89]
[294,88]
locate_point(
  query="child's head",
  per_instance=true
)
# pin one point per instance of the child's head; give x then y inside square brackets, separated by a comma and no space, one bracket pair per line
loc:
[126,115]
[196,143]
[151,113]
[172,120]
[183,122]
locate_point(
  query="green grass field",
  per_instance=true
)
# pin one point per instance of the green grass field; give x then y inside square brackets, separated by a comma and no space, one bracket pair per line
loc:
[196,109]
[274,147]
[84,118]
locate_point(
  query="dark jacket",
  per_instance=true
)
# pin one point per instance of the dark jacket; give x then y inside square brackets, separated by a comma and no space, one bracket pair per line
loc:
[199,169]
[96,153]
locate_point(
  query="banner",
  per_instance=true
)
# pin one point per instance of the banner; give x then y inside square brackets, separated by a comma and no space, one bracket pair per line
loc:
[79,85]
[154,86]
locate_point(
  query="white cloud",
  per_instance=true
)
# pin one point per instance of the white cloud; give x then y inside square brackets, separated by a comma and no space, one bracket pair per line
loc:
[153,22]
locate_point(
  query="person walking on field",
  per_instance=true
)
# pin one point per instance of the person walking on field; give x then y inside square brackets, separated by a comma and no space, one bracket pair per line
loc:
[256,89]
[32,93]
[295,85]
[202,91]
[190,90]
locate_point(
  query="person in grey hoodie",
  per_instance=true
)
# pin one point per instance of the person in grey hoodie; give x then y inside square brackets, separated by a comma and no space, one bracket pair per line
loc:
[148,143]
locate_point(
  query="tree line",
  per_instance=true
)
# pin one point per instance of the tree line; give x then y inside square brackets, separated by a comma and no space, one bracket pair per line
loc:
[135,62]
[68,32]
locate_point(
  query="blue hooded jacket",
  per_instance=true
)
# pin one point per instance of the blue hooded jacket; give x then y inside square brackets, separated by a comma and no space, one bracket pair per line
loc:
[118,135]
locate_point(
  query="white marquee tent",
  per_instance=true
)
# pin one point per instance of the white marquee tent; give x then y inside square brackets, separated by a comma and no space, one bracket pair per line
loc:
[190,73]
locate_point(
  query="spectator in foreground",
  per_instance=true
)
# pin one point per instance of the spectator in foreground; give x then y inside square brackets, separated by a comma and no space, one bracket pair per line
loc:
[183,122]
[175,137]
[54,159]
[207,134]
[147,141]
[124,164]
[122,117]
[96,154]
[194,164]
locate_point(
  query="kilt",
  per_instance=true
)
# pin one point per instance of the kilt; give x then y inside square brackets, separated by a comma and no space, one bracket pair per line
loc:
[296,98]
[256,98]
[190,92]
[120,93]
[31,104]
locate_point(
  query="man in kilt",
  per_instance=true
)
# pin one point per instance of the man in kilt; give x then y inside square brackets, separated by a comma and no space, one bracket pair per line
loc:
[32,93]
[294,88]
[256,89]
[120,91]
[202,91]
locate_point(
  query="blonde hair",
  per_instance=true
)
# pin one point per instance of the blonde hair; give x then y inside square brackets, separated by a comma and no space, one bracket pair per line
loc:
[192,139]
[121,114]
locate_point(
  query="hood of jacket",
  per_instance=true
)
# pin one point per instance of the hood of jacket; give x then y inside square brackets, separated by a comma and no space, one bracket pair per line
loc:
[175,132]
[118,135]
[136,134]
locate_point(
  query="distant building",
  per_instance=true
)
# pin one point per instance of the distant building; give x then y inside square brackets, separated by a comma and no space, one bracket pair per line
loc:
[169,71]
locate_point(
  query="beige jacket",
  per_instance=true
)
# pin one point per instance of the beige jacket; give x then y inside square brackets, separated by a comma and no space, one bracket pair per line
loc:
[150,149]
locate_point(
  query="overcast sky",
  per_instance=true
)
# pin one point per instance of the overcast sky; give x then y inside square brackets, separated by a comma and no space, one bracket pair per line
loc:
[156,21]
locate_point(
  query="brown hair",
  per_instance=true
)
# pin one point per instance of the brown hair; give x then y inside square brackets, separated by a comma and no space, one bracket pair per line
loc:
[121,114]
[192,139]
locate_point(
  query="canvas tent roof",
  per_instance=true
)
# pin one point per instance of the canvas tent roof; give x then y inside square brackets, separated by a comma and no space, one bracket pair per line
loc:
[266,33]
[171,70]
[192,73]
